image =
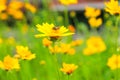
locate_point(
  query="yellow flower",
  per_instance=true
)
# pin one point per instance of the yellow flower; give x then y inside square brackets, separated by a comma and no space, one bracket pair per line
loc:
[67,49]
[30,7]
[94,45]
[68,2]
[51,31]
[89,51]
[3,16]
[71,51]
[112,7]
[16,5]
[91,12]
[76,42]
[55,49]
[46,42]
[3,7]
[9,63]
[95,23]
[114,62]
[42,62]
[24,53]
[1,40]
[68,68]
[72,14]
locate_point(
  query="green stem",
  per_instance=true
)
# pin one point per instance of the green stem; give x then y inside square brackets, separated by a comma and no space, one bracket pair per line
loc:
[66,16]
[68,77]
[117,32]
[116,42]
[56,65]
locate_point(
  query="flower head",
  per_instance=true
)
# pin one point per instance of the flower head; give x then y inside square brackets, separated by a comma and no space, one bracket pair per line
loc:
[68,68]
[9,63]
[67,49]
[55,49]
[46,42]
[76,42]
[95,23]
[114,62]
[51,31]
[30,7]
[68,2]
[94,45]
[112,7]
[24,53]
[91,12]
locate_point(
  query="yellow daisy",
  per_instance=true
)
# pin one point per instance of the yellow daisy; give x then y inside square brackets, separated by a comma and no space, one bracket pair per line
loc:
[68,68]
[51,31]
[114,62]
[112,7]
[9,63]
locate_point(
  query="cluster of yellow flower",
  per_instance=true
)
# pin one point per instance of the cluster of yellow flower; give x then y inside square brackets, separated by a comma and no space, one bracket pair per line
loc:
[65,48]
[14,8]
[92,14]
[10,63]
[95,44]
[53,34]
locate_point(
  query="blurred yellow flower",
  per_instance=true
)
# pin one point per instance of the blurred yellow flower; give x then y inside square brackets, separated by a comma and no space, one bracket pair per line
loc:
[42,62]
[2,7]
[77,42]
[24,53]
[1,40]
[68,2]
[55,49]
[3,1]
[67,49]
[95,44]
[91,12]
[71,51]
[112,7]
[16,5]
[30,7]
[9,63]
[68,68]
[114,62]
[89,51]
[17,14]
[51,31]
[95,23]
[72,14]
[46,42]
[3,16]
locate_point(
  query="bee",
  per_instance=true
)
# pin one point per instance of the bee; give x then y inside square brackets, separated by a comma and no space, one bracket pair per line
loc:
[56,28]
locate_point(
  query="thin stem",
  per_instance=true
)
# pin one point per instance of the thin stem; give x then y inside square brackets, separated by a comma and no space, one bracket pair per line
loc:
[68,77]
[116,42]
[66,16]
[56,65]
